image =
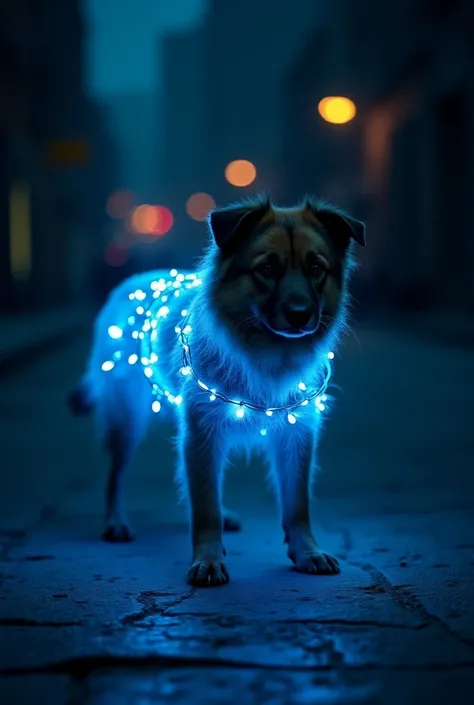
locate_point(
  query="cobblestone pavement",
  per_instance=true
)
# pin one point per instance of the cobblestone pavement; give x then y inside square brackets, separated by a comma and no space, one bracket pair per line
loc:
[86,622]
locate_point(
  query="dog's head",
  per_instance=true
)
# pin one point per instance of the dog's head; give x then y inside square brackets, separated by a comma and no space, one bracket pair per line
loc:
[281,272]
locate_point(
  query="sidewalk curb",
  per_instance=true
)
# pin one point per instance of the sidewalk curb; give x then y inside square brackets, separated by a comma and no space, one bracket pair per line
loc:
[22,356]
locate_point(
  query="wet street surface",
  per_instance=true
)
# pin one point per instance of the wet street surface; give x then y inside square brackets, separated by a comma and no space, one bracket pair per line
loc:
[82,621]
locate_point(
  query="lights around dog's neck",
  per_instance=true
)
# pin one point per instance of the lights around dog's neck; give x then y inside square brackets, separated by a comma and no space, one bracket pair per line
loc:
[153,307]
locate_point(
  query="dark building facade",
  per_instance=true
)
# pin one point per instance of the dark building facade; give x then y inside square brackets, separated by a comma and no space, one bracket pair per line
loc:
[405,163]
[184,162]
[48,127]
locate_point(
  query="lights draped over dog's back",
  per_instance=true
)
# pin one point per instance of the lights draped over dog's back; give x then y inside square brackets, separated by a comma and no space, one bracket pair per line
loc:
[153,307]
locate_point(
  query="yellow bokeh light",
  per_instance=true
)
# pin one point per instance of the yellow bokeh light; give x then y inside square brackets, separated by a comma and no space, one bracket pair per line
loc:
[337,109]
[198,206]
[240,173]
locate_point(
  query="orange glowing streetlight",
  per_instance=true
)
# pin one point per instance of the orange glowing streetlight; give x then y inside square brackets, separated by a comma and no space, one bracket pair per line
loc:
[240,173]
[337,110]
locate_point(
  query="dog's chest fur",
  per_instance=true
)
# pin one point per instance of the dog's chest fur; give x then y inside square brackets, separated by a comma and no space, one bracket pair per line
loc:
[151,310]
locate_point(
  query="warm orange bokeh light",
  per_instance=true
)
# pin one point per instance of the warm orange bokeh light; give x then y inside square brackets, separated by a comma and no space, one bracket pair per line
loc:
[336,109]
[151,220]
[120,203]
[198,206]
[240,173]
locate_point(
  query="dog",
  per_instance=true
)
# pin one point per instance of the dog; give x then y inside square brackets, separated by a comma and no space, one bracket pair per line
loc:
[240,350]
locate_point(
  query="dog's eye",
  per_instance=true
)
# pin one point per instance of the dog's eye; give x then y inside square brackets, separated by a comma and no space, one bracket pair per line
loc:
[316,269]
[269,268]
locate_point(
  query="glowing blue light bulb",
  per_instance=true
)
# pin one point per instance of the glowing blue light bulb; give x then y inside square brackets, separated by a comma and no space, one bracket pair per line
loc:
[263,431]
[302,386]
[269,413]
[291,418]
[148,371]
[140,310]
[108,365]
[173,272]
[184,312]
[156,406]
[132,359]
[163,311]
[240,413]
[115,332]
[331,355]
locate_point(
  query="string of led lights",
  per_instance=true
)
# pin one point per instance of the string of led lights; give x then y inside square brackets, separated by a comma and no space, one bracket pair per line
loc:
[162,292]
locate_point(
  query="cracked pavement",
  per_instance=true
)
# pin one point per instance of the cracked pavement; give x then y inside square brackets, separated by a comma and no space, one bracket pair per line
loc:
[86,622]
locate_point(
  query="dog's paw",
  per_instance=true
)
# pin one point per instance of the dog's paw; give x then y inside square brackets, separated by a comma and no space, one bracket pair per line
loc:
[304,552]
[231,521]
[118,533]
[208,573]
[316,562]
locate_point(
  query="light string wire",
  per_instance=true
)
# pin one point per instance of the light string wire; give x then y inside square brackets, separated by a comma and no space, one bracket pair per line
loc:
[146,355]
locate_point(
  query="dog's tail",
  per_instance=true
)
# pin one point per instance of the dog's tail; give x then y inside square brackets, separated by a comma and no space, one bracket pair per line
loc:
[80,400]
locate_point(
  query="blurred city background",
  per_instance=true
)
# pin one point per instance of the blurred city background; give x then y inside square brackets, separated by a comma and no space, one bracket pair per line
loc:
[123,121]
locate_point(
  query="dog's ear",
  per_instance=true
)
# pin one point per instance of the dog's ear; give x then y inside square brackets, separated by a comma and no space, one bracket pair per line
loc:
[340,227]
[228,223]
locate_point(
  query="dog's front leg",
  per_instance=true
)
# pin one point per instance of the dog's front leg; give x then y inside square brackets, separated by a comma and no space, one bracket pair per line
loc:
[202,466]
[292,461]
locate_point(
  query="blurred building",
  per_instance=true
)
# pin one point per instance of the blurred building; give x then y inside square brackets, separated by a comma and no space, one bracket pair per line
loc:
[406,162]
[184,150]
[48,178]
[135,126]
[220,102]
[249,46]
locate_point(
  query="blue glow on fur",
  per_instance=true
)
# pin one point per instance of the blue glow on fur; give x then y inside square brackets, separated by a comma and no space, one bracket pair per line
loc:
[157,301]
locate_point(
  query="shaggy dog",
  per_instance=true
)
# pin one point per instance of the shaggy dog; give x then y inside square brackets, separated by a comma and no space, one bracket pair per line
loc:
[240,351]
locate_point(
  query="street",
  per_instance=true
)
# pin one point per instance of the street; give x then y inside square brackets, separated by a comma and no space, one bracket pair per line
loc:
[82,621]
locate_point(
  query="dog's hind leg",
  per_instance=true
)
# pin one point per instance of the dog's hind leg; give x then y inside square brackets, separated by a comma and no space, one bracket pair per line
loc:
[120,445]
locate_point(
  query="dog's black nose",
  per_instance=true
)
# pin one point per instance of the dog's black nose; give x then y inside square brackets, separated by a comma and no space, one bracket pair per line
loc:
[297,315]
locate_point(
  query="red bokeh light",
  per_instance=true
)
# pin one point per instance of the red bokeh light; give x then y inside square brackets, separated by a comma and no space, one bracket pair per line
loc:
[151,220]
[163,220]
